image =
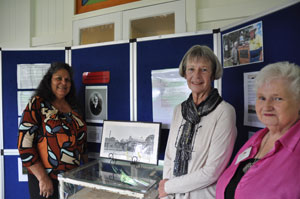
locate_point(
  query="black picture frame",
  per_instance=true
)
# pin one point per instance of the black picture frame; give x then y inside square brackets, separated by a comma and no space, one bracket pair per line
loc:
[130,141]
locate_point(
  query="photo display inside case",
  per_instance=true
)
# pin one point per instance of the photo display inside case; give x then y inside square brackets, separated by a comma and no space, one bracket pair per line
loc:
[107,178]
[130,141]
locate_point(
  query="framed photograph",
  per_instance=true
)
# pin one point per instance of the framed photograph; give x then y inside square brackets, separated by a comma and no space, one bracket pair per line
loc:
[90,5]
[130,141]
[243,46]
[95,103]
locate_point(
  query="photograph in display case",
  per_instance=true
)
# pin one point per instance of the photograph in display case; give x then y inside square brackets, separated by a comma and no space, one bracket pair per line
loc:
[130,141]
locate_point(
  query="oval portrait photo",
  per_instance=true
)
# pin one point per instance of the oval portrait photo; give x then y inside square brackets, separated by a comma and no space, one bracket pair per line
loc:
[95,103]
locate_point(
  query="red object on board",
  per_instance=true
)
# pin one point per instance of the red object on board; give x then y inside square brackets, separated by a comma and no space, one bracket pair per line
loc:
[102,77]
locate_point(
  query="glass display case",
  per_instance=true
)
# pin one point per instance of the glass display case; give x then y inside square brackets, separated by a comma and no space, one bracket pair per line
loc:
[113,179]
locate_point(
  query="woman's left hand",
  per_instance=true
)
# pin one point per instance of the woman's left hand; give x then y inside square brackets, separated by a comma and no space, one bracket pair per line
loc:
[46,187]
[161,188]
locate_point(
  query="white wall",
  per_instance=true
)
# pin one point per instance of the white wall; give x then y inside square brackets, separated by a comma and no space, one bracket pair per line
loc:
[35,23]
[14,23]
[212,14]
[52,22]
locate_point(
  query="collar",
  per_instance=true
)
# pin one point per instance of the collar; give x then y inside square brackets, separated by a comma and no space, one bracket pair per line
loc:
[289,140]
[256,140]
[292,137]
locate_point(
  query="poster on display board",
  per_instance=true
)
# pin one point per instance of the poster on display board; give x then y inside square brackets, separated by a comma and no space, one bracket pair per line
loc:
[29,76]
[250,116]
[168,90]
[23,99]
[95,104]
[243,46]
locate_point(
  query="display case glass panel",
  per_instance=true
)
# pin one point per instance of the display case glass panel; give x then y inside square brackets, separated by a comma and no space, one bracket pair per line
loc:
[113,178]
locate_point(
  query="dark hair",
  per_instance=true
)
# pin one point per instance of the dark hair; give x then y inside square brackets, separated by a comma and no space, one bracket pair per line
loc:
[44,89]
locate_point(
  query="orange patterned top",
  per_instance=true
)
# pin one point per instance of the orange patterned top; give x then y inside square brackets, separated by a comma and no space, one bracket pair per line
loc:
[56,139]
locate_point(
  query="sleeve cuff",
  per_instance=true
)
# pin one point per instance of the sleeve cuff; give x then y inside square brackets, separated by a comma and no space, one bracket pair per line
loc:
[168,187]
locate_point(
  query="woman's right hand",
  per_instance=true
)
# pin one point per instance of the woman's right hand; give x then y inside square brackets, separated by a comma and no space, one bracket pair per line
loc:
[161,188]
[46,186]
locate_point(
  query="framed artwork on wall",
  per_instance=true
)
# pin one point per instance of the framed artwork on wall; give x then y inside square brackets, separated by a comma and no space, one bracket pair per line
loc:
[83,6]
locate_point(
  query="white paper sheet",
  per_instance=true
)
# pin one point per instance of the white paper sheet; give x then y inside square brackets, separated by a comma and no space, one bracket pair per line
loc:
[30,75]
[22,176]
[168,90]
[250,117]
[23,99]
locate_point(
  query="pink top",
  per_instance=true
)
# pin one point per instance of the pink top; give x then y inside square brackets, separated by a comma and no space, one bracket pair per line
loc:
[277,175]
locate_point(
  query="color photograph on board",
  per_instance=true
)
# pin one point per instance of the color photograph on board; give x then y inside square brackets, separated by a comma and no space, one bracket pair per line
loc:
[243,46]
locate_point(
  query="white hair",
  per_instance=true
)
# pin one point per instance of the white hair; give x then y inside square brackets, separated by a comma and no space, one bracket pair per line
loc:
[285,70]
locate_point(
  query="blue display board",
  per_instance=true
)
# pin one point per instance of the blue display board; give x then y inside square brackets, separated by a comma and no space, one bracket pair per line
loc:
[280,43]
[155,55]
[10,59]
[13,188]
[115,59]
[160,54]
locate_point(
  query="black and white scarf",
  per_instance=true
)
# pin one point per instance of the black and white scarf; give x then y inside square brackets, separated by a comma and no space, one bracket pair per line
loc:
[192,115]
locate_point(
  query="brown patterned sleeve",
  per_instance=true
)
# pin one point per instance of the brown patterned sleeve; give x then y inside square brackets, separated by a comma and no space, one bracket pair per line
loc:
[28,129]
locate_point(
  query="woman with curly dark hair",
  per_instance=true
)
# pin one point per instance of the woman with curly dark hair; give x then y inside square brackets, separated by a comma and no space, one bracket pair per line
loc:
[52,134]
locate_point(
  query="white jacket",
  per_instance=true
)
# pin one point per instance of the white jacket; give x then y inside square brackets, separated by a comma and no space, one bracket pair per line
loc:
[213,147]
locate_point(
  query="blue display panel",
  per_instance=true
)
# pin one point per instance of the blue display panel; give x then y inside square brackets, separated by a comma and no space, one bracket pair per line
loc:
[155,55]
[10,59]
[115,59]
[160,54]
[280,43]
[13,188]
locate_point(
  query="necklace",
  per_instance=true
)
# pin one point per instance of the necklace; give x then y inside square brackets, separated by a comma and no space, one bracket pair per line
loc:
[251,163]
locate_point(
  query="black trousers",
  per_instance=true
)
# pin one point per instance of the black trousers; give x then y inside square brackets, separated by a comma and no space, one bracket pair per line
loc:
[34,188]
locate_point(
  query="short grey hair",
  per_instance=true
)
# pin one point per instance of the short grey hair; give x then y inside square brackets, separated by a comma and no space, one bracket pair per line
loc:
[197,52]
[285,70]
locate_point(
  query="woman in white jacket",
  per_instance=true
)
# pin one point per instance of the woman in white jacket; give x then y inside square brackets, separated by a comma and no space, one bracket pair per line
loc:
[202,133]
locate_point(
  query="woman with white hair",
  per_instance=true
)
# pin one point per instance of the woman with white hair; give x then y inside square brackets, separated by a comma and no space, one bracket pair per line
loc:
[267,166]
